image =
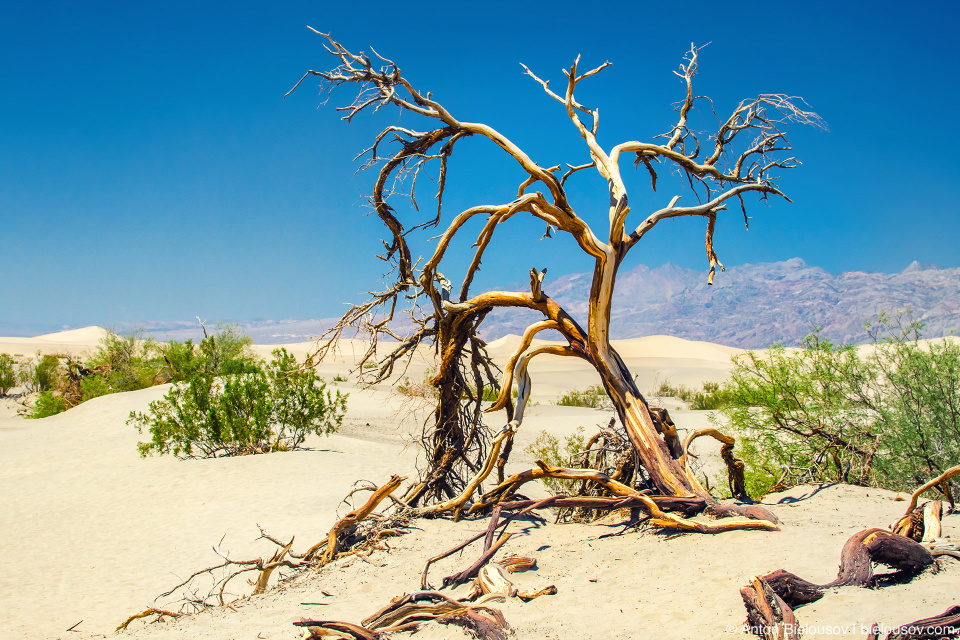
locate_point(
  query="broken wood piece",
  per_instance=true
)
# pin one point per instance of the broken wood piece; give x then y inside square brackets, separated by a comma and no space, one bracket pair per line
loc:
[420,604]
[323,629]
[330,545]
[792,589]
[923,524]
[160,613]
[945,625]
[939,480]
[768,616]
[862,550]
[484,623]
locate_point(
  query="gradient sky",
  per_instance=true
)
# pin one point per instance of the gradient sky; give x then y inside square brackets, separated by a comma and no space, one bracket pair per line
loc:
[150,169]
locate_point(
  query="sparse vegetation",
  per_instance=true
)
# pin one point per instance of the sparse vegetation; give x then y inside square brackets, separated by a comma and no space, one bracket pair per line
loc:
[825,413]
[547,448]
[253,412]
[592,397]
[47,404]
[8,373]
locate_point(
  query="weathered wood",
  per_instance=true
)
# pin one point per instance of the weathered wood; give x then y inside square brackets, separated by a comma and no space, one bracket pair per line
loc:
[922,524]
[483,623]
[687,506]
[945,625]
[351,520]
[870,546]
[471,571]
[658,517]
[939,480]
[768,616]
[793,589]
[860,552]
[322,628]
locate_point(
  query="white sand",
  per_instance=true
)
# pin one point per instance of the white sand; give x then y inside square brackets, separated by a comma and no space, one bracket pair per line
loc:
[92,532]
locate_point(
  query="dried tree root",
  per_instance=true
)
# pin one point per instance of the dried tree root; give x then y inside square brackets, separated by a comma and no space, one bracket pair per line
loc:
[481,622]
[768,616]
[905,556]
[160,613]
[330,545]
[923,524]
[458,502]
[687,506]
[901,554]
[487,534]
[658,517]
[939,480]
[945,625]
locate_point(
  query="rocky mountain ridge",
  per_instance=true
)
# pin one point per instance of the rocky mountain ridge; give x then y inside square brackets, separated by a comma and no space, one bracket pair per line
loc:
[756,305]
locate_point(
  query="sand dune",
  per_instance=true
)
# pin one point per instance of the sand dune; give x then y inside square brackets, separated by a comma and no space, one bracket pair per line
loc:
[92,532]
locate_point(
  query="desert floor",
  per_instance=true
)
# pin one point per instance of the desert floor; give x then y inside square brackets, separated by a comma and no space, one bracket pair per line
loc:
[90,533]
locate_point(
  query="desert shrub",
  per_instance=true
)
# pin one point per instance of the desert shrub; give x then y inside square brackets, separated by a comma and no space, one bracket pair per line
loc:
[8,373]
[126,363]
[667,390]
[920,410]
[547,448]
[47,404]
[824,413]
[42,376]
[301,403]
[803,416]
[226,352]
[419,388]
[255,412]
[712,396]
[592,397]
[93,386]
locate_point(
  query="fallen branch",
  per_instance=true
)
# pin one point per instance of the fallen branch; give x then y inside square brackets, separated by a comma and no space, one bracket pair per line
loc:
[658,517]
[160,613]
[330,545]
[768,616]
[939,480]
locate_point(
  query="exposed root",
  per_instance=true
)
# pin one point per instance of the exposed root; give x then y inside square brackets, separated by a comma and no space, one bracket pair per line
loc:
[945,625]
[658,517]
[768,616]
[160,613]
[358,531]
[941,480]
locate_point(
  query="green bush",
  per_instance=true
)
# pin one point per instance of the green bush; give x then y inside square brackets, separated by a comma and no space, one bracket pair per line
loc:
[255,412]
[824,413]
[301,404]
[548,449]
[592,397]
[8,373]
[126,363]
[47,404]
[43,375]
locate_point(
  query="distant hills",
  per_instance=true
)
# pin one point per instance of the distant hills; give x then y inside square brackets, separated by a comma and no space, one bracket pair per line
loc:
[749,306]
[756,305]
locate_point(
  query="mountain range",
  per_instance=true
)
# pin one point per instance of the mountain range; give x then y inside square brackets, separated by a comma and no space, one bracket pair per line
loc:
[756,305]
[748,306]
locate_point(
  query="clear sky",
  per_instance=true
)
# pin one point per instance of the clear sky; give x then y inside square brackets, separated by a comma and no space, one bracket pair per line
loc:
[151,170]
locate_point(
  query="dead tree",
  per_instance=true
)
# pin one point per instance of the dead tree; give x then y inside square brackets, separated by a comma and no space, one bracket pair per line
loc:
[741,158]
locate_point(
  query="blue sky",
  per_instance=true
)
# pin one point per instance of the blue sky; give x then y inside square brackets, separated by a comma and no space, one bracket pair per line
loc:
[150,169]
